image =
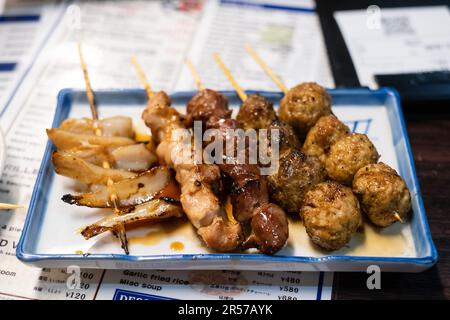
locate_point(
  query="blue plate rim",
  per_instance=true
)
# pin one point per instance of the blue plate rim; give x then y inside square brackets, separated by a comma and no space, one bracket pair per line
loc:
[428,260]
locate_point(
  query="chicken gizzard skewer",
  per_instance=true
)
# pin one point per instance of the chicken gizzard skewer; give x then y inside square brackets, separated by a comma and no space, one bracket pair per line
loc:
[248,188]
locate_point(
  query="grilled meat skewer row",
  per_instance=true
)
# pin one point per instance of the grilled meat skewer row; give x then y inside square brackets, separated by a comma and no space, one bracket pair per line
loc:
[248,188]
[199,182]
[296,172]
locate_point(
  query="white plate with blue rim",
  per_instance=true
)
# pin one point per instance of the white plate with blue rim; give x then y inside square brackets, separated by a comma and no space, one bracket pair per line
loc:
[49,237]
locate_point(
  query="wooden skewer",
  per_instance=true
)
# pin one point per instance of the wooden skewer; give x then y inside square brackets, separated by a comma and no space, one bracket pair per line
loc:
[112,195]
[195,75]
[8,206]
[398,218]
[89,91]
[241,93]
[228,205]
[142,76]
[266,68]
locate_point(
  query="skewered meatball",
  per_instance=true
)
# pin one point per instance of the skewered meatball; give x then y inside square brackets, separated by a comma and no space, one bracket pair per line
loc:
[303,105]
[325,132]
[256,113]
[331,215]
[296,174]
[348,155]
[287,139]
[205,104]
[382,193]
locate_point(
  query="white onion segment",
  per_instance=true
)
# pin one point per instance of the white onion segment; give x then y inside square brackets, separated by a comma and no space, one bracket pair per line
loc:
[65,140]
[76,168]
[128,193]
[135,157]
[118,126]
[93,154]
[153,210]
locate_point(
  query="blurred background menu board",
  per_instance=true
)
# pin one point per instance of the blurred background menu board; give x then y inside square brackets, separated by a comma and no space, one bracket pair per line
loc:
[41,58]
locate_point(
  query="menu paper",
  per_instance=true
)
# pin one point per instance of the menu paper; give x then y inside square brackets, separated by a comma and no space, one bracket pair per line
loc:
[221,285]
[288,37]
[160,34]
[418,39]
[22,34]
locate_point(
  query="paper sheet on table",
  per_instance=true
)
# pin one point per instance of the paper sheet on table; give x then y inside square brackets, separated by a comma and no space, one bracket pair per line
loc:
[396,40]
[22,32]
[287,36]
[110,35]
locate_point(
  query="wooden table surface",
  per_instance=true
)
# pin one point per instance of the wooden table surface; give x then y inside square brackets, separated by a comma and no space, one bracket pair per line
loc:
[429,134]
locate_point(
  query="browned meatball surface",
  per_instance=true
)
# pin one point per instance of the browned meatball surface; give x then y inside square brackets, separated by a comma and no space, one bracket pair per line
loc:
[205,104]
[326,131]
[331,215]
[287,139]
[256,113]
[348,155]
[303,105]
[382,193]
[296,174]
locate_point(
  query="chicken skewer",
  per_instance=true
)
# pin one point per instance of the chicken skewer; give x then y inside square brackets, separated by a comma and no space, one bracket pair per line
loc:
[199,182]
[219,107]
[119,229]
[248,188]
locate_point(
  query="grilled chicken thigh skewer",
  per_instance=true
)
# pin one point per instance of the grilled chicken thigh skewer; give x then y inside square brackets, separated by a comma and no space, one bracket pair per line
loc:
[199,182]
[249,194]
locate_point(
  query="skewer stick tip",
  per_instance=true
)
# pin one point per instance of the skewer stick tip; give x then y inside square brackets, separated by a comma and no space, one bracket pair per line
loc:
[398,218]
[241,93]
[8,206]
[89,91]
[141,75]
[195,75]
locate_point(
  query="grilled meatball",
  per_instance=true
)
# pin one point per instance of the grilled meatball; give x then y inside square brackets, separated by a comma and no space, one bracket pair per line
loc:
[205,104]
[256,113]
[270,229]
[287,139]
[303,105]
[382,193]
[331,215]
[296,174]
[348,155]
[326,131]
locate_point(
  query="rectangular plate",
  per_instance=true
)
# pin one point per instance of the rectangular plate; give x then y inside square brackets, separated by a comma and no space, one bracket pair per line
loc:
[49,238]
